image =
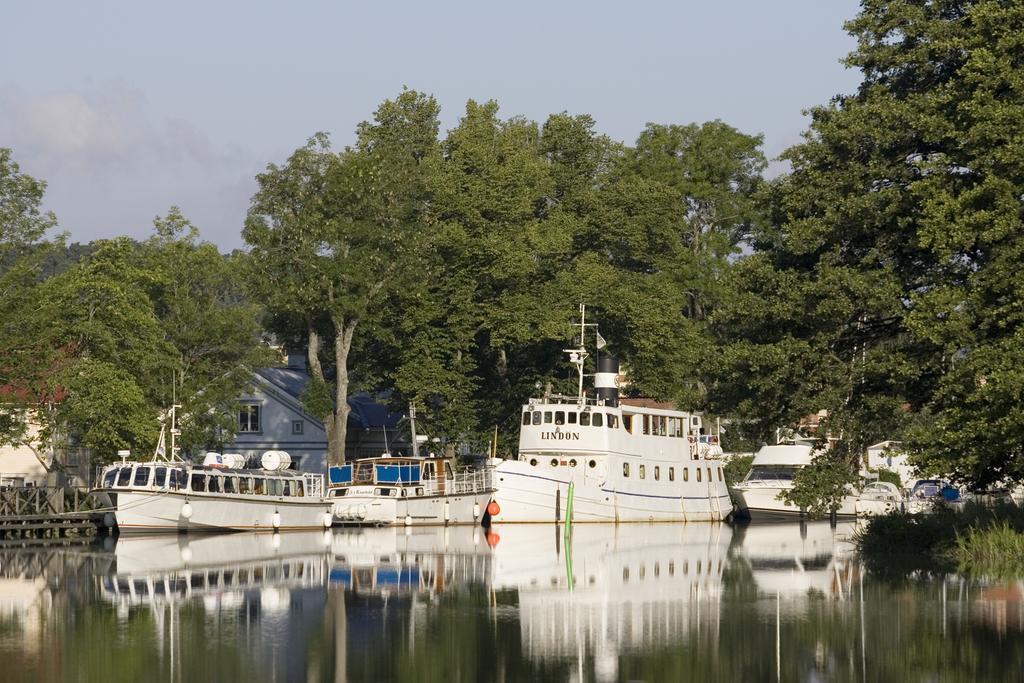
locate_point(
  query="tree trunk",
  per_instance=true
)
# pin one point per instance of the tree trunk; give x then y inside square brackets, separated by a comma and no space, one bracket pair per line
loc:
[317,372]
[343,333]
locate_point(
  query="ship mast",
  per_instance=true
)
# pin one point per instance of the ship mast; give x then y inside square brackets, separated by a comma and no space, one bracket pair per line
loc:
[579,355]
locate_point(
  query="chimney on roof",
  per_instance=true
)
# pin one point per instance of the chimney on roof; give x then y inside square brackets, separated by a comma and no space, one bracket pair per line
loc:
[297,361]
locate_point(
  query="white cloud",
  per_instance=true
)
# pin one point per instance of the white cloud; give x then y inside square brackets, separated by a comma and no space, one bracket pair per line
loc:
[112,164]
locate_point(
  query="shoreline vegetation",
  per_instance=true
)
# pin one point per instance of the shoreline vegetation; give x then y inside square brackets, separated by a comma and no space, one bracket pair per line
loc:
[977,540]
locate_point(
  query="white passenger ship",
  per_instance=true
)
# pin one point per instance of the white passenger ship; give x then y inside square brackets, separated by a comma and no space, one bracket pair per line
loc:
[628,461]
[168,494]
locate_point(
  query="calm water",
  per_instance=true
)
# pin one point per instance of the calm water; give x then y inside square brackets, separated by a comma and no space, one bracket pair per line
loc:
[639,603]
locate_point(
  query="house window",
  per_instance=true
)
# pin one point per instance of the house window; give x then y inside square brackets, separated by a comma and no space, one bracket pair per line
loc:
[249,418]
[298,426]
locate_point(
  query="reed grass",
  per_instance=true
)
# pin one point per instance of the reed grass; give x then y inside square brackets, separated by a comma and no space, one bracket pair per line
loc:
[974,538]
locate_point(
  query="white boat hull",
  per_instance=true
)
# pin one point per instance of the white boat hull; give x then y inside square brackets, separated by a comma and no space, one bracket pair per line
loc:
[140,511]
[763,501]
[539,493]
[366,508]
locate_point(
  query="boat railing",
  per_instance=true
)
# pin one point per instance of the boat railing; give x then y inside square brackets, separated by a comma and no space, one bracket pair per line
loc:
[470,481]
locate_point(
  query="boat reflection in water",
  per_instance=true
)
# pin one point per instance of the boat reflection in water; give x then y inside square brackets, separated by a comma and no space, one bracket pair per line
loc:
[798,560]
[607,589]
[521,602]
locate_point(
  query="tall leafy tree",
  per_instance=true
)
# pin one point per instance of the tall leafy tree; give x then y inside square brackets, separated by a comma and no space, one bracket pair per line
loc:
[332,235]
[882,289]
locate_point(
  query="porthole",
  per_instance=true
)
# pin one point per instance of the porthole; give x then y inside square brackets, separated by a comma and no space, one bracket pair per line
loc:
[572,463]
[592,464]
[533,462]
[554,462]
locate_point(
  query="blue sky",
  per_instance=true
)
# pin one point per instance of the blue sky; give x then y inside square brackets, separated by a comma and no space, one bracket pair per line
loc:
[127,108]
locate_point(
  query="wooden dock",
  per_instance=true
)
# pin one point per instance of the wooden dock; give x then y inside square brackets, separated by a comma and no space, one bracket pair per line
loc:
[32,514]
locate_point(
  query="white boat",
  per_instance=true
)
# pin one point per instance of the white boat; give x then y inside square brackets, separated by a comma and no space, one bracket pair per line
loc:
[410,491]
[168,494]
[627,461]
[771,473]
[879,498]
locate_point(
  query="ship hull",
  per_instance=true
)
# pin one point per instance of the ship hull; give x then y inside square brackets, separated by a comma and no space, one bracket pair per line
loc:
[539,494]
[359,508]
[157,511]
[762,502]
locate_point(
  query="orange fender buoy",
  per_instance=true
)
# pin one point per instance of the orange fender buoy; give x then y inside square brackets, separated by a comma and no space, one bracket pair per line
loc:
[493,509]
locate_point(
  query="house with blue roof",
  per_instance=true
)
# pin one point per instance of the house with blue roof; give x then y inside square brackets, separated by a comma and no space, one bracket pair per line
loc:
[272,417]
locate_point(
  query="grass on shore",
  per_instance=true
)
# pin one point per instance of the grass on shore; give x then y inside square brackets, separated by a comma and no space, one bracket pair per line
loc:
[975,539]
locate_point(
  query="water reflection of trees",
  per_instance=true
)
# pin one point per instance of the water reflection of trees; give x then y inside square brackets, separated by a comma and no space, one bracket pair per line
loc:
[454,622]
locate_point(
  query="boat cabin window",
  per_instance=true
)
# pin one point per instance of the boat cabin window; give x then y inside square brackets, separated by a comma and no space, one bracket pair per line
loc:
[160,479]
[448,473]
[213,485]
[245,484]
[771,473]
[662,425]
[108,478]
[229,484]
[176,479]
[597,420]
[572,418]
[709,474]
[719,474]
[671,473]
[300,489]
[536,417]
[643,472]
[547,417]
[259,486]
[698,473]
[695,421]
[559,417]
[198,482]
[625,469]
[584,419]
[657,473]
[275,487]
[613,421]
[526,417]
[141,476]
[627,423]
[686,474]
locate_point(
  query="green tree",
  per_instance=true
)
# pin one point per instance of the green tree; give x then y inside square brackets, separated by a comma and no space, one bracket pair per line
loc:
[332,235]
[883,287]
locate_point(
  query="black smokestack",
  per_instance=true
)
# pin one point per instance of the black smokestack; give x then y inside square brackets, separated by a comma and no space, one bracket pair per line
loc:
[606,380]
